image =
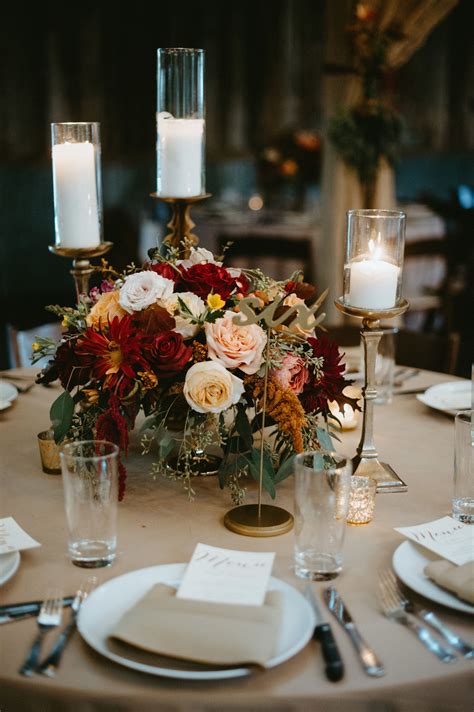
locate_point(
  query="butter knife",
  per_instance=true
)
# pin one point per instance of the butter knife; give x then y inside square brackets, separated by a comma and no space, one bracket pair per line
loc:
[322,632]
[369,660]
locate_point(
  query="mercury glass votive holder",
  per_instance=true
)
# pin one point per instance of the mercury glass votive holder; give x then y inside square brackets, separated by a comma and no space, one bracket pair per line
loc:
[49,453]
[362,500]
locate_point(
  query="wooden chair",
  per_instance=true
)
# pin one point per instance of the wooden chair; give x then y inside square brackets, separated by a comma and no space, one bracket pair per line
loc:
[20,342]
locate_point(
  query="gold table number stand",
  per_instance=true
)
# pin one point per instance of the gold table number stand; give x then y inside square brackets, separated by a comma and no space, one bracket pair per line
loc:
[366,462]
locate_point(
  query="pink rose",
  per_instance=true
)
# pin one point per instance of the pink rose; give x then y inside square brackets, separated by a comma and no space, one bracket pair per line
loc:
[292,373]
[235,346]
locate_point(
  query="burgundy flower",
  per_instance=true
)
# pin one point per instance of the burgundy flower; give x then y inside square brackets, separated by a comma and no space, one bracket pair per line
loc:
[169,354]
[164,269]
[73,369]
[202,279]
[330,383]
[112,426]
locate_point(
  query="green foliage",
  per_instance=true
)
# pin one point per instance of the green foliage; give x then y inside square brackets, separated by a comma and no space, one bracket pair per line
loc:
[61,413]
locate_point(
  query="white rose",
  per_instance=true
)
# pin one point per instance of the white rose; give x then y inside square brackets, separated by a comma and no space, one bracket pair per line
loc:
[142,289]
[210,388]
[184,325]
[235,346]
[198,256]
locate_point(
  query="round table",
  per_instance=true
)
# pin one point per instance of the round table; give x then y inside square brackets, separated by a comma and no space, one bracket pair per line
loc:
[158,525]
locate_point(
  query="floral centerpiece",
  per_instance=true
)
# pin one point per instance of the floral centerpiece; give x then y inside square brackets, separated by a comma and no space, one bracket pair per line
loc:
[165,339]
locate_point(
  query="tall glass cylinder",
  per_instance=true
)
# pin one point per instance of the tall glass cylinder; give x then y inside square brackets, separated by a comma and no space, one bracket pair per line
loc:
[374,258]
[77,185]
[180,123]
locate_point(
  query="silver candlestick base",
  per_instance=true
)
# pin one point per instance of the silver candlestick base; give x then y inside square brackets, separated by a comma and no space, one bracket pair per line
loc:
[366,462]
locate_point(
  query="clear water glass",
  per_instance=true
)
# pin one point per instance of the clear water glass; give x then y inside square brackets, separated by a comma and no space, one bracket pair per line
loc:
[322,490]
[463,496]
[90,479]
[385,366]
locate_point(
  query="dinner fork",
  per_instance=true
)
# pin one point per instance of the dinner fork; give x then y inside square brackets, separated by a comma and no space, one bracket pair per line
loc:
[48,618]
[392,608]
[50,665]
[431,619]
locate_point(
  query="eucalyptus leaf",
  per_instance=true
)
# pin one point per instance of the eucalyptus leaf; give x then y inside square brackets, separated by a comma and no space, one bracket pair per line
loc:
[244,428]
[267,474]
[60,414]
[285,470]
[325,439]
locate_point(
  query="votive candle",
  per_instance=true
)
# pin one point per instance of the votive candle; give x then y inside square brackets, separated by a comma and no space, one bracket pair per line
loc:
[362,500]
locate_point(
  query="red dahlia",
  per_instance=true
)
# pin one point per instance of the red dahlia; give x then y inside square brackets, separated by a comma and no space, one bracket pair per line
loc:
[117,353]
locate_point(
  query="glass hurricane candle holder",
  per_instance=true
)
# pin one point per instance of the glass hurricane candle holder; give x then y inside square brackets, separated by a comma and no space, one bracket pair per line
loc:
[374,258]
[362,500]
[180,123]
[77,185]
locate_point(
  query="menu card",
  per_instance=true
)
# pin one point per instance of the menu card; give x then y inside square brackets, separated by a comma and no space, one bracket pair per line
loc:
[227,576]
[13,537]
[447,537]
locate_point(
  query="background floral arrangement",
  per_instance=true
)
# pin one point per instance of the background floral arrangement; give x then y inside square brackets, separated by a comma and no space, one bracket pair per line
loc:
[163,338]
[370,130]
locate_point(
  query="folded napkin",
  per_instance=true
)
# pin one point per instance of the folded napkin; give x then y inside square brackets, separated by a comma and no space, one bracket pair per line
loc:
[457,579]
[212,633]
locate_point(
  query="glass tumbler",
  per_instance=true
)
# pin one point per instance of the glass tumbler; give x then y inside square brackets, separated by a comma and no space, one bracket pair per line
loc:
[90,477]
[463,496]
[322,490]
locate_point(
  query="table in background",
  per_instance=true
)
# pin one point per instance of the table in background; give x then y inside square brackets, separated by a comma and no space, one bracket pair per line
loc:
[157,525]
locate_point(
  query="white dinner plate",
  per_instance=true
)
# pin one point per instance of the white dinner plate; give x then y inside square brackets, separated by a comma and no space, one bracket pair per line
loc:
[8,393]
[105,606]
[448,397]
[9,564]
[409,562]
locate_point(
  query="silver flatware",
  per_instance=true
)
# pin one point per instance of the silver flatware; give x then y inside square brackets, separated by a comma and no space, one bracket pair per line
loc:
[368,658]
[49,617]
[322,632]
[12,612]
[50,664]
[392,608]
[431,619]
[404,374]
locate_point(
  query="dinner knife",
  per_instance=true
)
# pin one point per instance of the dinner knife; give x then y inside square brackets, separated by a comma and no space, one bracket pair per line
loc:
[322,632]
[17,611]
[370,661]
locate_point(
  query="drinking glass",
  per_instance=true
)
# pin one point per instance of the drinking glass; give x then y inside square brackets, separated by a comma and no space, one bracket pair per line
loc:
[463,497]
[385,366]
[89,470]
[322,489]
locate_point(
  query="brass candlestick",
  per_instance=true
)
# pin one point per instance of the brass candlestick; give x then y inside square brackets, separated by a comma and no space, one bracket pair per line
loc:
[181,236]
[366,461]
[81,267]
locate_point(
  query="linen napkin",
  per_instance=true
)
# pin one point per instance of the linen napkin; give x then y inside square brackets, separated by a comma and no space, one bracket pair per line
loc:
[212,633]
[457,579]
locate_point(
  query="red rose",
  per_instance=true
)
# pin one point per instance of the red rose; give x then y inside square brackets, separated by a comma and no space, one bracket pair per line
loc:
[202,279]
[164,269]
[73,369]
[169,353]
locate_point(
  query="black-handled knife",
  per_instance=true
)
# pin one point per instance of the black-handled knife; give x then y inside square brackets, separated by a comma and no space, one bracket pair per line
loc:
[16,611]
[322,632]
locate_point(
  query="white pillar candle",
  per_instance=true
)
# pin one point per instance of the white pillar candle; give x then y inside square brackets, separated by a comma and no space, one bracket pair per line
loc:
[180,156]
[75,195]
[373,284]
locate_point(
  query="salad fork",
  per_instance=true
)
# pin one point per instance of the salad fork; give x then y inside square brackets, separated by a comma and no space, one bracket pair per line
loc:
[49,617]
[431,619]
[393,609]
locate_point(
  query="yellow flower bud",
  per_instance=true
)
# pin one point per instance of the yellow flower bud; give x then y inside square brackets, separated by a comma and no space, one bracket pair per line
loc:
[214,301]
[35,346]
[65,322]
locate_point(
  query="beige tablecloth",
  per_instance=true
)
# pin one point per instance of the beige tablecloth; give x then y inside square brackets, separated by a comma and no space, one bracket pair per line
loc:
[158,525]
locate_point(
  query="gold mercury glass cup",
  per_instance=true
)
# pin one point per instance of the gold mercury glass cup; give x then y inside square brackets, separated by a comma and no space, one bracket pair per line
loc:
[362,500]
[49,453]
